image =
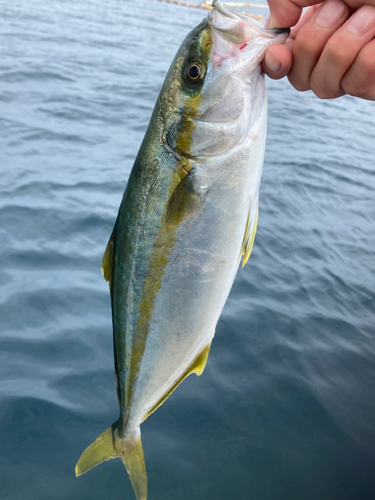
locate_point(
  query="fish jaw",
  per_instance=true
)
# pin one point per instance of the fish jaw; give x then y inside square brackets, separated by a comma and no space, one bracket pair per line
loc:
[238,37]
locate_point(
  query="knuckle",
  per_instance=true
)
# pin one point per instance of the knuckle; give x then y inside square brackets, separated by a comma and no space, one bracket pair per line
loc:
[350,85]
[322,88]
[359,80]
[322,93]
[365,62]
[364,90]
[337,50]
[299,83]
[305,45]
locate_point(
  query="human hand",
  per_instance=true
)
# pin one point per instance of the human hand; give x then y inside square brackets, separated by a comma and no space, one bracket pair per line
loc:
[331,49]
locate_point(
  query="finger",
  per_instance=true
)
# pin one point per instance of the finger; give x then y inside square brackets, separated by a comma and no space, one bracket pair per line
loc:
[306,16]
[356,4]
[277,61]
[359,80]
[312,38]
[341,51]
[285,13]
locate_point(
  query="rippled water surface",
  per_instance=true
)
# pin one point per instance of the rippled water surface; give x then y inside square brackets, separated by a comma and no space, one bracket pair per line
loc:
[286,407]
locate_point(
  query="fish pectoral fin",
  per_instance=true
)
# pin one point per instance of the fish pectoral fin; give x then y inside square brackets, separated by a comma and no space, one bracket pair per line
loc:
[197,367]
[107,259]
[251,228]
[112,444]
[187,199]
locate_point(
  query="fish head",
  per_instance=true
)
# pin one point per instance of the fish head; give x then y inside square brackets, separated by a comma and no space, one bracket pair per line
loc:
[182,91]
[218,86]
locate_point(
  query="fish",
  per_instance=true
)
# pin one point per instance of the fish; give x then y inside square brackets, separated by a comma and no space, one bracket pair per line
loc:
[187,218]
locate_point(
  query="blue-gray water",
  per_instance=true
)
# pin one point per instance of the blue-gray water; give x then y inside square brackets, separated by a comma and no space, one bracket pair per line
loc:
[286,407]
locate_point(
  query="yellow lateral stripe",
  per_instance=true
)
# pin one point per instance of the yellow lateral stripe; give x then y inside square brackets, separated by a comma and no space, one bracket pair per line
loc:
[163,243]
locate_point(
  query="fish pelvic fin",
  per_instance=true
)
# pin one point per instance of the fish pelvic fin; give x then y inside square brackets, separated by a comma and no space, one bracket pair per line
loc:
[112,444]
[251,229]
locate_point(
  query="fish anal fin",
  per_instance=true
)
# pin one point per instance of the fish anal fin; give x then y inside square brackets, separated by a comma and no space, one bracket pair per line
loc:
[251,228]
[187,199]
[197,367]
[200,362]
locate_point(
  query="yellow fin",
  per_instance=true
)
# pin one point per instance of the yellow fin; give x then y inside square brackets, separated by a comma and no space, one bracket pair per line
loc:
[187,199]
[251,228]
[128,447]
[133,458]
[107,260]
[197,367]
[99,451]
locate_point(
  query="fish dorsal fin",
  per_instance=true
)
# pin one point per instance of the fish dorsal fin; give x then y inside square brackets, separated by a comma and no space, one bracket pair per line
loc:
[187,199]
[107,259]
[251,228]
[197,367]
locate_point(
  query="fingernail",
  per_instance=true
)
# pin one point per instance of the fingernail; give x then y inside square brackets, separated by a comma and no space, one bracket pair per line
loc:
[271,62]
[362,20]
[330,13]
[272,23]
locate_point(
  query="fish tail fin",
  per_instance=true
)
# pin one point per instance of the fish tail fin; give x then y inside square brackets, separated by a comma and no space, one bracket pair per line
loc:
[113,444]
[131,454]
[99,451]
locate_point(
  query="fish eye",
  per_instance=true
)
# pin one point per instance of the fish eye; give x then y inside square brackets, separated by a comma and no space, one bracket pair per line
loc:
[194,72]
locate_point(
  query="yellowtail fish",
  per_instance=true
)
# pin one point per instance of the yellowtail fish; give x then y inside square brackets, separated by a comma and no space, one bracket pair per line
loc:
[188,215]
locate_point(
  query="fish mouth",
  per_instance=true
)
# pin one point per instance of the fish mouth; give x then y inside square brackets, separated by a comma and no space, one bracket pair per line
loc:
[239,29]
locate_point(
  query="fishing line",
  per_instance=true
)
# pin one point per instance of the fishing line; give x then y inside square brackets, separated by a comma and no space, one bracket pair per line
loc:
[207,5]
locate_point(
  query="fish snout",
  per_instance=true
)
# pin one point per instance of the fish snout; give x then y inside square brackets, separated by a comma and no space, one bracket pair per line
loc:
[237,36]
